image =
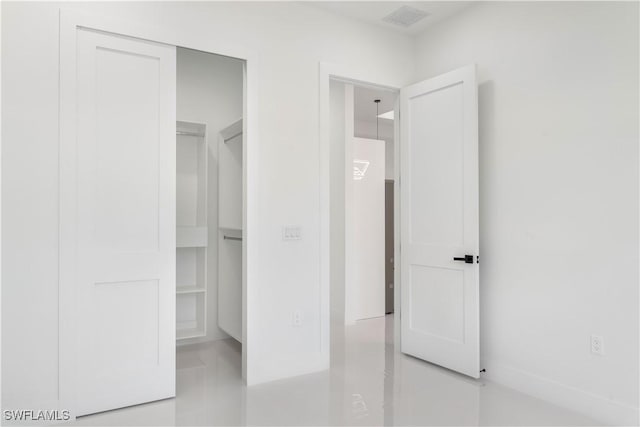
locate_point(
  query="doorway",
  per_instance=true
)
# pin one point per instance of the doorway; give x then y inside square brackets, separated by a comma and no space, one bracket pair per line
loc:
[209,205]
[362,202]
[439,224]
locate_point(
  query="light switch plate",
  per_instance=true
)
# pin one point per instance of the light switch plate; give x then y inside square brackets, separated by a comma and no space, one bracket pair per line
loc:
[291,232]
[597,345]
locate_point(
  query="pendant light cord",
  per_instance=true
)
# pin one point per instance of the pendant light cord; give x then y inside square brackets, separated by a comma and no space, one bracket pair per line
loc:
[377,101]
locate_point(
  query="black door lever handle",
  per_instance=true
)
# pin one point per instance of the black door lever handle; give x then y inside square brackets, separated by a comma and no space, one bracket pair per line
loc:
[468,259]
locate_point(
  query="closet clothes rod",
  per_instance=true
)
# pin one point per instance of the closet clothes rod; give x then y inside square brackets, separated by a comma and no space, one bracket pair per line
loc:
[232,136]
[232,238]
[189,133]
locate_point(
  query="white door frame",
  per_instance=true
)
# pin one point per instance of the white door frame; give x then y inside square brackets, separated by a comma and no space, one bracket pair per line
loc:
[70,21]
[362,77]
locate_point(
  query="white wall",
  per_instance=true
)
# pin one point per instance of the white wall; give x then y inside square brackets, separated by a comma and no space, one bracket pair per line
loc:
[289,40]
[367,129]
[209,91]
[558,102]
[368,229]
[343,268]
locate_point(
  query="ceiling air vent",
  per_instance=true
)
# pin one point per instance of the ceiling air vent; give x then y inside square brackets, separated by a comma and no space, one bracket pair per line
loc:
[405,16]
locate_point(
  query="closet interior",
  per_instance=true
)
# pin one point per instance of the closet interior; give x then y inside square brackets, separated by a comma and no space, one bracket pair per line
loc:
[209,197]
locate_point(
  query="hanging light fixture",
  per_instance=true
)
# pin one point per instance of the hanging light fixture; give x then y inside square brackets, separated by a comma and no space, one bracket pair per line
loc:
[377,101]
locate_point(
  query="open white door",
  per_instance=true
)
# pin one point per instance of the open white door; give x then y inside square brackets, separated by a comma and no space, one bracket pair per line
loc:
[439,221]
[122,196]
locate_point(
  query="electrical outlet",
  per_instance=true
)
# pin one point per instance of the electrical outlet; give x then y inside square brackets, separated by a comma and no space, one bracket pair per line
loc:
[297,319]
[291,233]
[597,345]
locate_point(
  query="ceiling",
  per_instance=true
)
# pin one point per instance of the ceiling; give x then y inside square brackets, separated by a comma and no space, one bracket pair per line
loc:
[372,12]
[365,108]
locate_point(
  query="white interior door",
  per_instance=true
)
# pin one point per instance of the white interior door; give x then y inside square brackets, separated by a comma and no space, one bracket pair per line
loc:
[126,215]
[439,221]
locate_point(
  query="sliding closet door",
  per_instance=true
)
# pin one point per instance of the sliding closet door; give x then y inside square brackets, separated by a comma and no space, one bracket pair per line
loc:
[125,221]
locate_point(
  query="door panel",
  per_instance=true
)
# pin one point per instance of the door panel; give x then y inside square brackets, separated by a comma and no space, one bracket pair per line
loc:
[439,208]
[437,166]
[125,207]
[434,302]
[132,224]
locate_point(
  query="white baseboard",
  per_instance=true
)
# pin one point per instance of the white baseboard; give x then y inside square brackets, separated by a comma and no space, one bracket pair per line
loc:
[597,407]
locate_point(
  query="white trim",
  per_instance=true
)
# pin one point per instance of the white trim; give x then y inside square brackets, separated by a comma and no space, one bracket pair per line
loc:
[598,407]
[0,205]
[324,194]
[362,77]
[397,215]
[70,20]
[67,230]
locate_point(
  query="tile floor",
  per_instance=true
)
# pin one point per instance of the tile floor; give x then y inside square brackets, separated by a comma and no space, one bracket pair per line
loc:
[369,383]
